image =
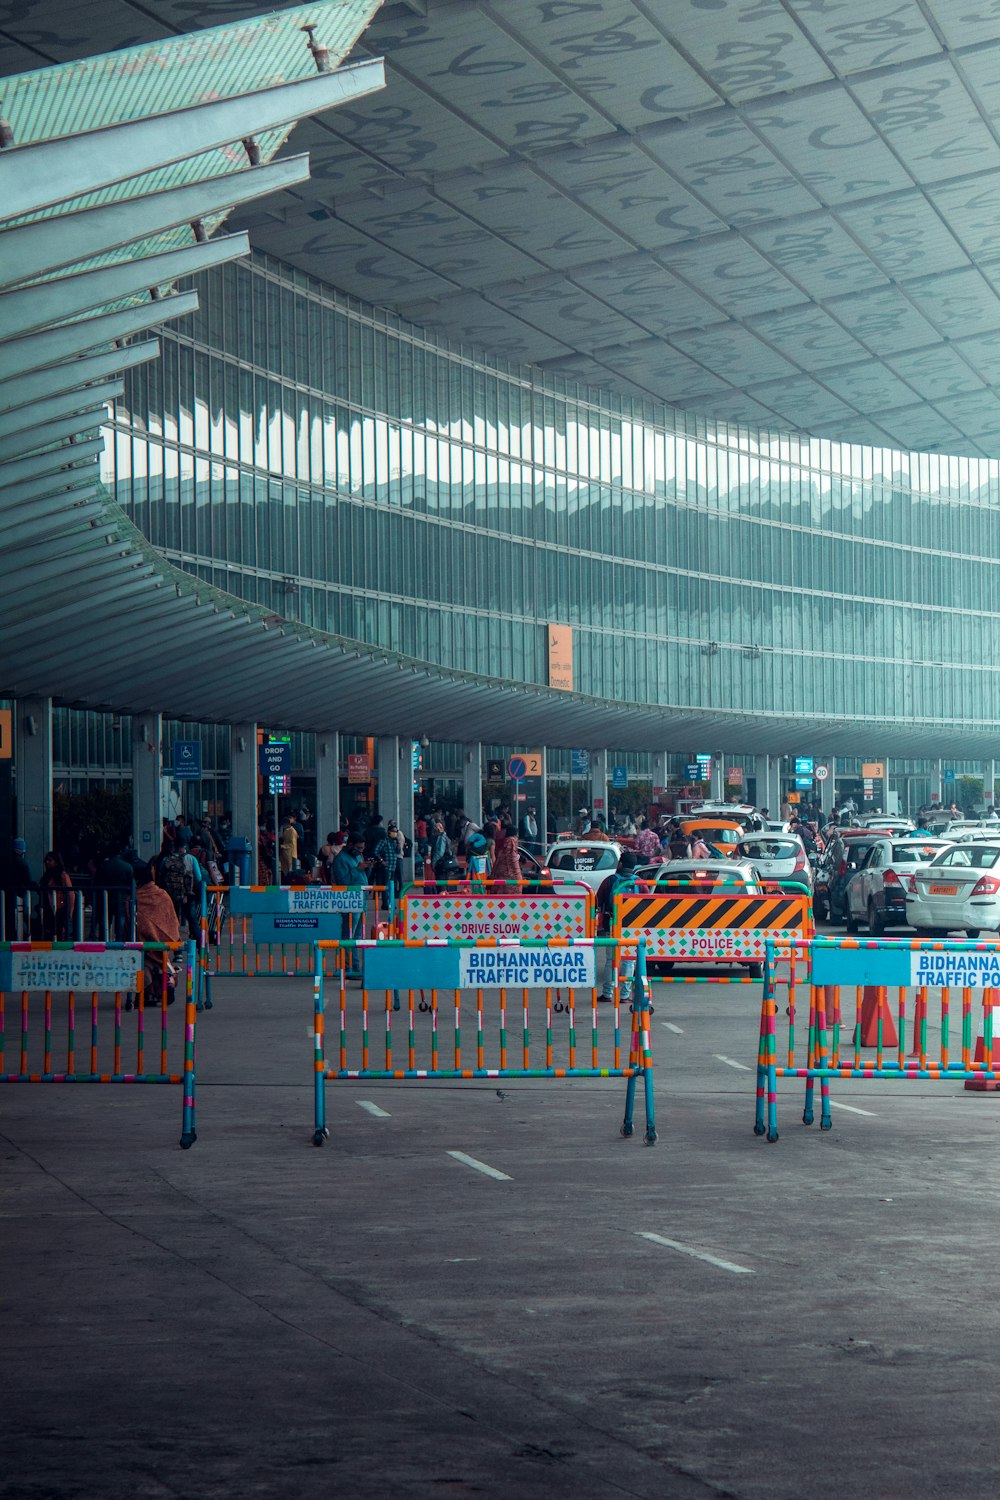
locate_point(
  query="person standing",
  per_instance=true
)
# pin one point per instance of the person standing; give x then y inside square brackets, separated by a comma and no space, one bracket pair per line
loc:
[58,899]
[288,848]
[348,870]
[506,871]
[17,888]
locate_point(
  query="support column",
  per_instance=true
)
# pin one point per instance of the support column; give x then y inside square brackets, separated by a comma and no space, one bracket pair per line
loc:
[989,779]
[327,784]
[472,782]
[394,769]
[33,729]
[769,784]
[661,772]
[243,787]
[717,785]
[826,788]
[147,783]
[938,795]
[598,783]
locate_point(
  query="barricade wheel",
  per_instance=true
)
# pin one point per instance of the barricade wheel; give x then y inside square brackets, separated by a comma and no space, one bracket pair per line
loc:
[319,1136]
[628,1130]
[188,1139]
[772,1136]
[758,1128]
[650,1138]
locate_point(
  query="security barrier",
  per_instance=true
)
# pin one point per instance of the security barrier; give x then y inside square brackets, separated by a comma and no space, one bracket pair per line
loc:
[476,909]
[254,931]
[693,926]
[850,981]
[556,980]
[99,979]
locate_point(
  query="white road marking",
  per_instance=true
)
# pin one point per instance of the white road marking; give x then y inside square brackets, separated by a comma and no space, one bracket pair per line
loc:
[712,1260]
[836,1104]
[679,1030]
[373,1109]
[731,1062]
[480,1166]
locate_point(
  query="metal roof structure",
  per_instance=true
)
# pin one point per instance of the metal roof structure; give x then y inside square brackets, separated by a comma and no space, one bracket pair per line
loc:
[782,213]
[90,246]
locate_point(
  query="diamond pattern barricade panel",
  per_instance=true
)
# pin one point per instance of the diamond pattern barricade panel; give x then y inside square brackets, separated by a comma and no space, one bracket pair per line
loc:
[534,918]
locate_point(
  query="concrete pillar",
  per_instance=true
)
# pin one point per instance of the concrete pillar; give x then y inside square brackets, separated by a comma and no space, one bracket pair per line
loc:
[147,783]
[717,783]
[598,783]
[243,787]
[989,779]
[33,747]
[661,771]
[827,788]
[394,768]
[937,793]
[769,784]
[327,784]
[472,781]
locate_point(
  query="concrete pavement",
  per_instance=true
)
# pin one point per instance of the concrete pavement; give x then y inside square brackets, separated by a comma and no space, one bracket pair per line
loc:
[713,1316]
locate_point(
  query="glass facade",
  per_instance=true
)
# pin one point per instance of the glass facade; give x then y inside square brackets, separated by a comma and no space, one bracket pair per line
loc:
[344,469]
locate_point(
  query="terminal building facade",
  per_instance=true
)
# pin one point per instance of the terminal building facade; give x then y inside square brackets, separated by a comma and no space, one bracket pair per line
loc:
[769,595]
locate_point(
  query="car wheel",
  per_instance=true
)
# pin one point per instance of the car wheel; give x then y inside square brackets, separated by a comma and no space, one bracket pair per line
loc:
[850,921]
[973,932]
[876,926]
[756,971]
[819,909]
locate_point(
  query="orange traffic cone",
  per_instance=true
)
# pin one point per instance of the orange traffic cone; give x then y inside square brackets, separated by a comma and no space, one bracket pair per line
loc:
[875,1007]
[991,1001]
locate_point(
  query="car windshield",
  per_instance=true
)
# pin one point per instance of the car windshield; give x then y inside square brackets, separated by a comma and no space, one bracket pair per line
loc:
[770,848]
[914,853]
[583,857]
[715,834]
[970,857]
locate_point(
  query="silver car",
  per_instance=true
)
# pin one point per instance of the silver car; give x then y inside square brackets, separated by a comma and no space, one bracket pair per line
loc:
[777,857]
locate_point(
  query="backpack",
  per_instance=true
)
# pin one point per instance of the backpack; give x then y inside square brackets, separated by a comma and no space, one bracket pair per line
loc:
[475,843]
[176,878]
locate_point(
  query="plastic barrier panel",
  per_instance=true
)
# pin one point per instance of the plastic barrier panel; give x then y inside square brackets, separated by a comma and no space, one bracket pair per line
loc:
[895,1009]
[534,917]
[531,1010]
[79,991]
[709,927]
[251,931]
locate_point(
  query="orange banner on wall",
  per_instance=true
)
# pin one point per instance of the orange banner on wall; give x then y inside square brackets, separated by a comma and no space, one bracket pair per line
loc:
[561,656]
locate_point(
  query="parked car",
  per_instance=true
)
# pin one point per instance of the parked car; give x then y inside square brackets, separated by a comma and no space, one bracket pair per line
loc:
[886,823]
[844,854]
[958,892]
[735,812]
[721,834]
[589,861]
[876,892]
[780,858]
[711,877]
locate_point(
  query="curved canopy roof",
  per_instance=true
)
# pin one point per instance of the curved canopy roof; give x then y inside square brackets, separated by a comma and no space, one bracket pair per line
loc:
[109,193]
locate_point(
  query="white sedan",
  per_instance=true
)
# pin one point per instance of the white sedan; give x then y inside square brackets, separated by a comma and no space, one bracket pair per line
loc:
[582,861]
[781,858]
[959,891]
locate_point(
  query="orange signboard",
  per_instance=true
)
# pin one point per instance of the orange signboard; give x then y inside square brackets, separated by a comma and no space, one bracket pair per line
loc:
[873,770]
[6,734]
[359,768]
[561,656]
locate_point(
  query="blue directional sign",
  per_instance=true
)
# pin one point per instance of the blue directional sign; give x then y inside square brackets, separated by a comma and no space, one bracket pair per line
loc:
[949,775]
[580,762]
[619,777]
[275,758]
[187,760]
[804,765]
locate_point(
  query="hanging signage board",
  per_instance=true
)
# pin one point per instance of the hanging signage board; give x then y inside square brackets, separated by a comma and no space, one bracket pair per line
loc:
[358,768]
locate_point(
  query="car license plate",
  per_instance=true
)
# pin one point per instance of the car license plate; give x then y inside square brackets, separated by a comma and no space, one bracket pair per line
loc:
[944,890]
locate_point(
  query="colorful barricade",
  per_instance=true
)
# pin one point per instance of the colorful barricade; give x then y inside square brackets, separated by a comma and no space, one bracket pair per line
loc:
[942,1022]
[459,914]
[79,991]
[687,926]
[506,990]
[253,931]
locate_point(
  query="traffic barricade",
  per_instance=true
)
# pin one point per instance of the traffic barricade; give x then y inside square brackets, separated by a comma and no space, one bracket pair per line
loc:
[468,909]
[508,988]
[80,991]
[927,1010]
[254,931]
[694,927]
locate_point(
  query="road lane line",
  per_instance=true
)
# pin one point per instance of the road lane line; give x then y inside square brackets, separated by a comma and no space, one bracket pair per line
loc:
[836,1104]
[731,1062]
[678,1030]
[712,1260]
[373,1109]
[480,1166]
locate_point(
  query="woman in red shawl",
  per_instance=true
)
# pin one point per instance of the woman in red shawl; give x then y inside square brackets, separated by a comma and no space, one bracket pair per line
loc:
[506,871]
